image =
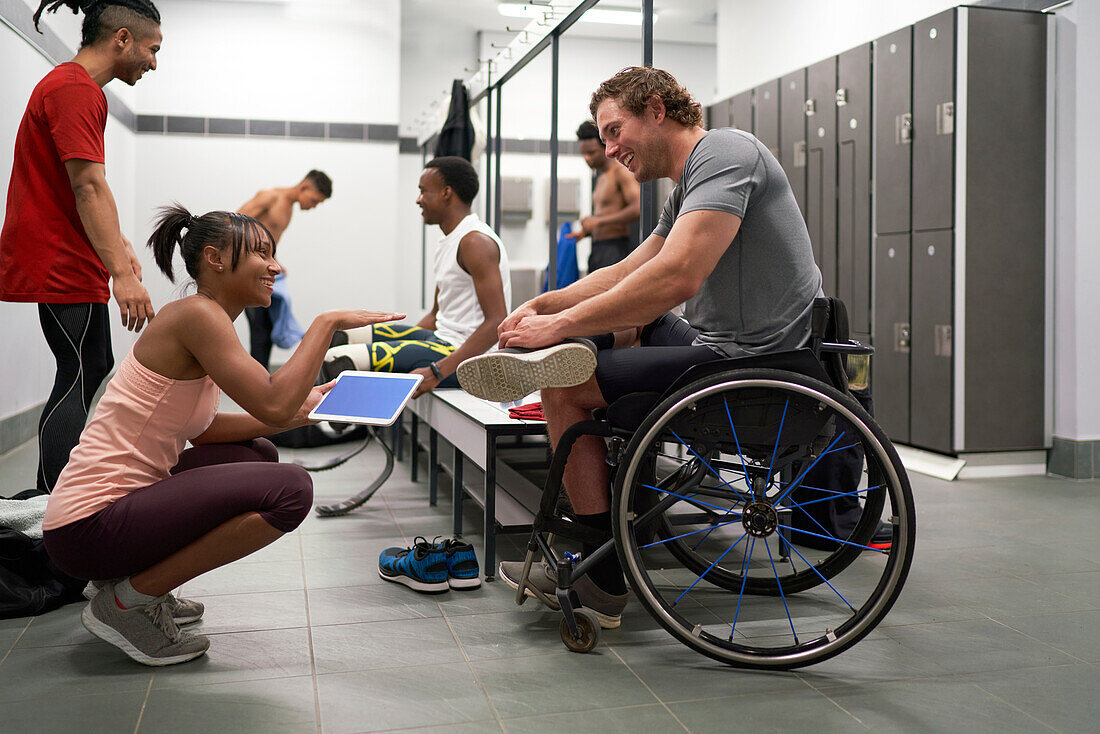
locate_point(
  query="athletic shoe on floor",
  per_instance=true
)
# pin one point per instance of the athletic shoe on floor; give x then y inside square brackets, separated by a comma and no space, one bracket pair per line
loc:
[347,357]
[423,567]
[608,607]
[463,571]
[184,611]
[147,633]
[883,539]
[510,374]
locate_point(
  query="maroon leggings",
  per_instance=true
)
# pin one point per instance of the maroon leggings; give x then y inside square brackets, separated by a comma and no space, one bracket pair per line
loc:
[210,485]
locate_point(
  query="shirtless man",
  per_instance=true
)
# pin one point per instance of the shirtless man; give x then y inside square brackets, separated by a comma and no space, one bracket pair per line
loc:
[616,203]
[275,207]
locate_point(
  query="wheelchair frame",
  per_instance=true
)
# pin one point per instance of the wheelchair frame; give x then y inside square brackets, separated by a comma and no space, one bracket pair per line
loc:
[819,408]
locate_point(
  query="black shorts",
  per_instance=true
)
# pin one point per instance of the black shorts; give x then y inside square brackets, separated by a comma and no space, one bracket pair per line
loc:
[665,353]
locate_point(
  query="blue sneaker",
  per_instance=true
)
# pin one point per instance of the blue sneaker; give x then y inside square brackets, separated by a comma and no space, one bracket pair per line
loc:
[423,567]
[463,571]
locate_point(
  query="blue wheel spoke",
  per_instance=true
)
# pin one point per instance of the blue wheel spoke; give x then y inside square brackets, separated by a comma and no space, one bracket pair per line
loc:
[692,532]
[744,465]
[794,485]
[710,468]
[692,499]
[835,540]
[744,579]
[704,573]
[775,449]
[781,594]
[833,495]
[714,527]
[812,568]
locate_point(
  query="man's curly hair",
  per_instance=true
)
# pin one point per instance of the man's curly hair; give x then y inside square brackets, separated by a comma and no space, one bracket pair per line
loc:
[634,86]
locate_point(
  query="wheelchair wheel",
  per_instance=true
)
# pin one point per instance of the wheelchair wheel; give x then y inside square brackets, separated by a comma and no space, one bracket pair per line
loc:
[711,488]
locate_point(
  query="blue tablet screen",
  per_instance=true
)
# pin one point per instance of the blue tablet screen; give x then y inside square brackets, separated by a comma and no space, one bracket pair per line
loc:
[368,397]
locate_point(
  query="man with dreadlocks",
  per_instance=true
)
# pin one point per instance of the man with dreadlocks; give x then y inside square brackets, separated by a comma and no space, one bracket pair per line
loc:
[61,243]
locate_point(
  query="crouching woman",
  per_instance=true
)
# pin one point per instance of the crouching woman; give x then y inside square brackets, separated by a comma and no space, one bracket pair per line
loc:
[135,511]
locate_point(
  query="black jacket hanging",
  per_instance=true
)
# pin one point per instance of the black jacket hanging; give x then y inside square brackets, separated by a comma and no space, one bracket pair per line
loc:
[457,135]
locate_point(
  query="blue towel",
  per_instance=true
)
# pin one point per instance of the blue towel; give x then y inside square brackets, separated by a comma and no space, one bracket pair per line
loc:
[285,331]
[568,270]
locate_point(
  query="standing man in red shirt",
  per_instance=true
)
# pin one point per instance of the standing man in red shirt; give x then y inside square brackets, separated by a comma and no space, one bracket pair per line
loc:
[61,243]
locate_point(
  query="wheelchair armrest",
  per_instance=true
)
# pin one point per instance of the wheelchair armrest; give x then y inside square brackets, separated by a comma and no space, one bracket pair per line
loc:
[852,347]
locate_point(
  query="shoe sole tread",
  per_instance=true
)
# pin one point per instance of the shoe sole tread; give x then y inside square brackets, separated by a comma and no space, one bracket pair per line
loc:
[506,377]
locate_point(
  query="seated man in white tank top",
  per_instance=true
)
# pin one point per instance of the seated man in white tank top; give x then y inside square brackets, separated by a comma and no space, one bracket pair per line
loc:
[472,292]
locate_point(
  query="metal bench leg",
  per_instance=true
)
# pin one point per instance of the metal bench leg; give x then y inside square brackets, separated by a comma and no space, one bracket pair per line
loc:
[414,446]
[458,492]
[433,466]
[490,507]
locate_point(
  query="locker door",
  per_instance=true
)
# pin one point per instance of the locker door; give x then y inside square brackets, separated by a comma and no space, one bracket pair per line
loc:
[741,108]
[931,356]
[718,114]
[934,122]
[893,130]
[890,364]
[792,133]
[821,168]
[853,112]
[765,124]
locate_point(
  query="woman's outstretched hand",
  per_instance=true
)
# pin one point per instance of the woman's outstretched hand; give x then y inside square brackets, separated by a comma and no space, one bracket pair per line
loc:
[353,319]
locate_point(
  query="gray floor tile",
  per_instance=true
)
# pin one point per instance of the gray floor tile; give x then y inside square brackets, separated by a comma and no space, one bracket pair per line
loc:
[343,648]
[377,700]
[324,573]
[875,659]
[491,726]
[350,545]
[375,603]
[250,612]
[1062,697]
[71,670]
[1084,586]
[654,719]
[972,647]
[238,656]
[59,627]
[1076,633]
[245,578]
[948,705]
[577,682]
[1008,597]
[54,711]
[268,706]
[778,713]
[678,673]
[509,634]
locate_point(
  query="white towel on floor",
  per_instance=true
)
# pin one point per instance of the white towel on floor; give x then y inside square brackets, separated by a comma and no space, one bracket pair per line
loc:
[24,515]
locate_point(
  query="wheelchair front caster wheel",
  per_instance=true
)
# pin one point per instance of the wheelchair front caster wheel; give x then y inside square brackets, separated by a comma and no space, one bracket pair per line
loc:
[588,631]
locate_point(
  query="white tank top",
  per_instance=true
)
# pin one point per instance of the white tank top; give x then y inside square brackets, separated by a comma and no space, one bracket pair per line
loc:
[459,312]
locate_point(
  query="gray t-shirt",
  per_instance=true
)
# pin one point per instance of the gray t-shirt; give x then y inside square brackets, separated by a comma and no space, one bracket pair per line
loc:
[759,297]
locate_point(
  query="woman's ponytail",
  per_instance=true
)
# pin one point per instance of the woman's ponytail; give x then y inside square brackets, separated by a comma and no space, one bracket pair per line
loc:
[171,222]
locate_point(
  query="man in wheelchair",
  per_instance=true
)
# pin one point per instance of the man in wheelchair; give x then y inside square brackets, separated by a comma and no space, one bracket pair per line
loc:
[731,246]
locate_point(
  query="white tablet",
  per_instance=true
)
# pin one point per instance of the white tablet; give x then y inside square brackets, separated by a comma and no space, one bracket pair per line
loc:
[370,398]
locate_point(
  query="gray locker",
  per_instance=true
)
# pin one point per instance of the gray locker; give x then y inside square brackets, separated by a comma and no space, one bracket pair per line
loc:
[934,122]
[932,331]
[820,113]
[853,112]
[792,133]
[719,114]
[765,120]
[741,107]
[893,131]
[890,364]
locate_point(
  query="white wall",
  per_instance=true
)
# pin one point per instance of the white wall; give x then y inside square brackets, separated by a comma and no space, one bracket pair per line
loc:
[27,372]
[334,60]
[759,40]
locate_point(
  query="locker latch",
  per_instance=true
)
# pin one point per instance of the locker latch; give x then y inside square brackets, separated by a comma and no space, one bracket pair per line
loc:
[800,154]
[841,97]
[903,129]
[945,118]
[811,108]
[943,340]
[901,338]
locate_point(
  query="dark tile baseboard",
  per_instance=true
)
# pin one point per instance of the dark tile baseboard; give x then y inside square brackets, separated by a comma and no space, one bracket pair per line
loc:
[19,428]
[1074,459]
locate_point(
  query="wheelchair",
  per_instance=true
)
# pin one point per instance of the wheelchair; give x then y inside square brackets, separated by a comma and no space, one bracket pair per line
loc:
[708,480]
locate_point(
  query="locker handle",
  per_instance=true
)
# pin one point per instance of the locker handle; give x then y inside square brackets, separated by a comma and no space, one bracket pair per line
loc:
[945,118]
[841,97]
[901,337]
[903,129]
[943,340]
[800,154]
[811,107]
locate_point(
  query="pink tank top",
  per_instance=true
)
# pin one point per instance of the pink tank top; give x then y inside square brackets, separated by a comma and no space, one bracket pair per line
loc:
[140,427]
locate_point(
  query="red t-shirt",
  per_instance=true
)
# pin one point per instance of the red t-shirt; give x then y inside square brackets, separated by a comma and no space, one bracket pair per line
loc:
[45,254]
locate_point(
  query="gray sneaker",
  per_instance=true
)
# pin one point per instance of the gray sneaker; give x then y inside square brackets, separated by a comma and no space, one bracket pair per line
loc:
[184,611]
[608,607]
[147,634]
[510,374]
